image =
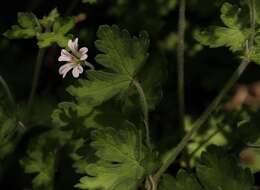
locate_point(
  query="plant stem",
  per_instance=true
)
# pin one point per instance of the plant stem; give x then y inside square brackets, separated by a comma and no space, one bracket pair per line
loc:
[7,91]
[171,155]
[36,75]
[145,111]
[180,63]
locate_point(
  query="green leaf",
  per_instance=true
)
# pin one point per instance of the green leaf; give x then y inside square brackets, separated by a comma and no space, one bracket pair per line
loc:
[8,130]
[10,134]
[151,85]
[257,11]
[123,55]
[255,56]
[89,1]
[48,30]
[213,133]
[100,89]
[121,154]
[165,6]
[28,27]
[230,15]
[48,21]
[233,36]
[41,158]
[71,115]
[27,20]
[217,170]
[222,36]
[167,182]
[186,181]
[60,28]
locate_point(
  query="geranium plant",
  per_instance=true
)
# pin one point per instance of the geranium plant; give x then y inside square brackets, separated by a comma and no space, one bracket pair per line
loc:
[102,99]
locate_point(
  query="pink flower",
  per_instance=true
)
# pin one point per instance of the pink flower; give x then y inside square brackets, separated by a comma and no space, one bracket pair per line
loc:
[75,59]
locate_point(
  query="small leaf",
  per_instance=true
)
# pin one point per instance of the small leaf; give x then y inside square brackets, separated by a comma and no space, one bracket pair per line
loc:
[233,36]
[222,36]
[28,27]
[167,182]
[60,28]
[10,134]
[41,158]
[217,170]
[48,21]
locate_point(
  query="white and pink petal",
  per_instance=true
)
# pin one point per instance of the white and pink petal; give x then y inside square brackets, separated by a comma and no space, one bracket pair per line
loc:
[65,56]
[64,69]
[83,50]
[73,45]
[77,71]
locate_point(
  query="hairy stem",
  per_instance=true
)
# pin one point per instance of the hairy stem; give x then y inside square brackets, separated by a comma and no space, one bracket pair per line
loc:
[7,91]
[145,111]
[180,63]
[172,154]
[36,75]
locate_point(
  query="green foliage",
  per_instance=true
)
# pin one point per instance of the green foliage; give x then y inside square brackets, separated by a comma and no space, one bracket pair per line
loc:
[120,160]
[185,181]
[235,33]
[216,170]
[48,21]
[8,134]
[89,1]
[152,86]
[58,35]
[42,156]
[167,182]
[28,27]
[11,131]
[123,55]
[96,141]
[214,133]
[48,30]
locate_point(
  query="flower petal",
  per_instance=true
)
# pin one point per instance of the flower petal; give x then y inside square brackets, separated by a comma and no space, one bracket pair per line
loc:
[83,57]
[77,70]
[83,50]
[65,56]
[64,69]
[73,45]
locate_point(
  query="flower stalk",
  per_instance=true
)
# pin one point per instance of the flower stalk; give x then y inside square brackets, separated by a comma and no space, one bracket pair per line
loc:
[36,75]
[180,63]
[7,91]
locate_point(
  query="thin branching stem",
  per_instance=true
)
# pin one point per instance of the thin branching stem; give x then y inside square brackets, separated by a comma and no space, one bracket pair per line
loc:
[7,91]
[36,75]
[172,154]
[180,63]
